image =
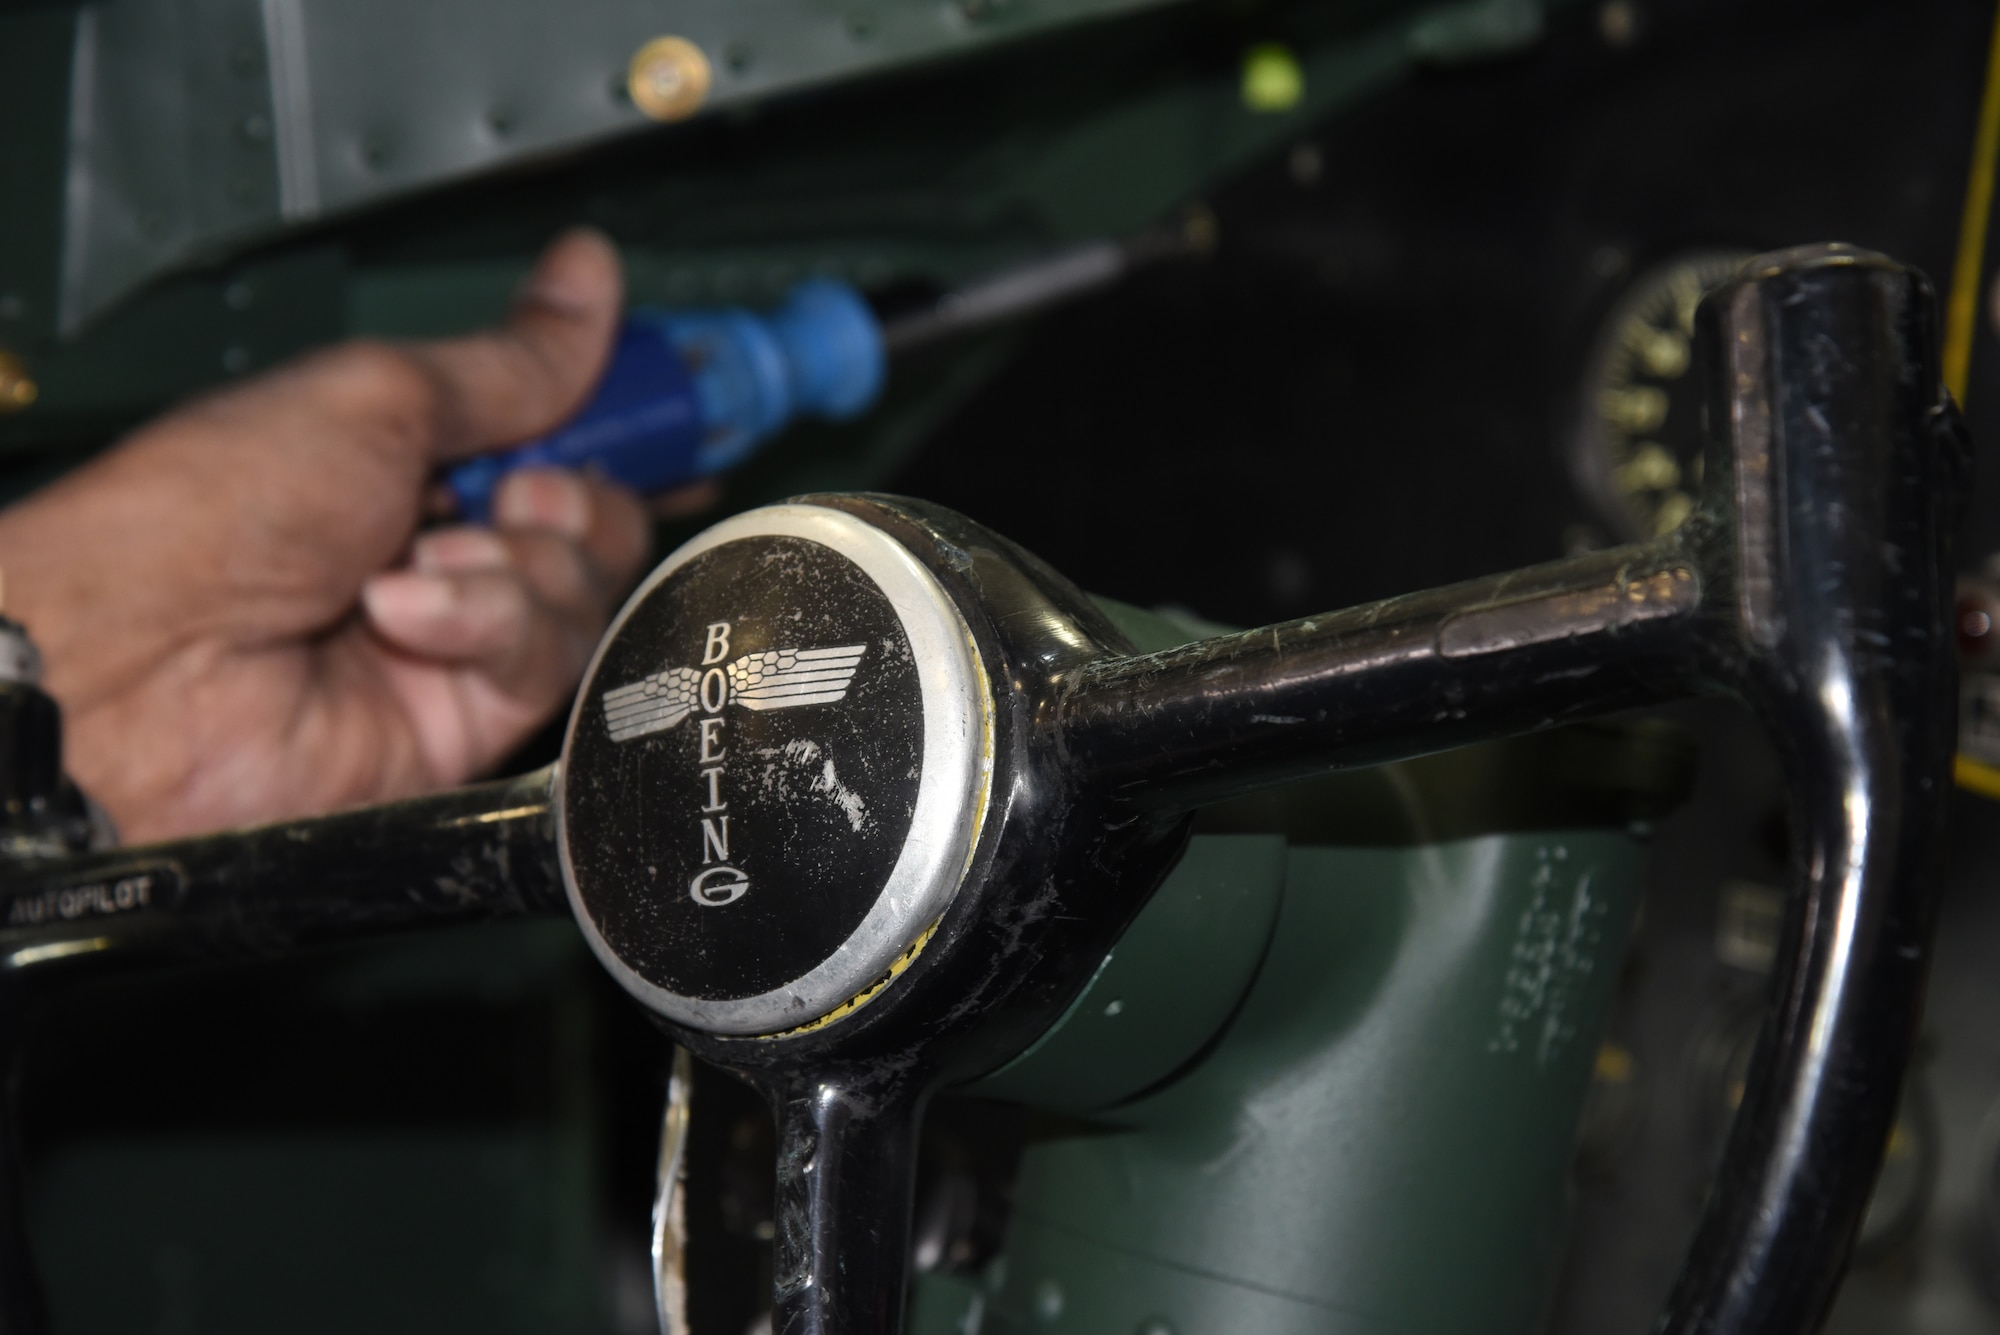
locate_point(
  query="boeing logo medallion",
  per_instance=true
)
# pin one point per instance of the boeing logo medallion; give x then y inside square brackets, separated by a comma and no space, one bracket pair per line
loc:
[773,679]
[771,781]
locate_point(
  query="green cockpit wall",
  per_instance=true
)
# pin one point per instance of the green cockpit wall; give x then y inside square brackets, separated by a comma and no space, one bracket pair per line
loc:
[198,189]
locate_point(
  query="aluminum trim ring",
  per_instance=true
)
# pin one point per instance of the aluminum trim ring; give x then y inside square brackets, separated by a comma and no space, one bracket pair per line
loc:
[952,790]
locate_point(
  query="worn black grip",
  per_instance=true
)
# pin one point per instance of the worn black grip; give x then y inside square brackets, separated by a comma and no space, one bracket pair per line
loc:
[1813,584]
[464,856]
[847,1156]
[1843,468]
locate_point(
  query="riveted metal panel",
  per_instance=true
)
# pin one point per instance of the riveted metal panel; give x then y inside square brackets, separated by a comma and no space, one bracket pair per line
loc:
[34,91]
[168,143]
[194,124]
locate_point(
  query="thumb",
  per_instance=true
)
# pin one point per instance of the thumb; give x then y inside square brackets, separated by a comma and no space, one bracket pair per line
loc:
[505,385]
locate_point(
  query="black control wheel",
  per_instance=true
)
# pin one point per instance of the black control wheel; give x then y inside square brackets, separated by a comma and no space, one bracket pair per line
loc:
[856,794]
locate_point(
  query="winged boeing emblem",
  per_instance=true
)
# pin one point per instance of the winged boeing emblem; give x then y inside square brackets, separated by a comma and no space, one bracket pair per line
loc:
[773,679]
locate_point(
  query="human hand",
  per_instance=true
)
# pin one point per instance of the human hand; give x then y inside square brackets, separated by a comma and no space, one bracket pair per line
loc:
[237,612]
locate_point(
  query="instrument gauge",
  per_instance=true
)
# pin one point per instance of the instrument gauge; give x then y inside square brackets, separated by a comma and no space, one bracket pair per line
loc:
[1637,453]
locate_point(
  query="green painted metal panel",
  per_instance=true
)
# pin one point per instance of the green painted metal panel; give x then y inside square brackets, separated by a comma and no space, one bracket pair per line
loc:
[292,1203]
[1353,1105]
[34,111]
[200,124]
[433,1230]
[163,150]
[1166,989]
[1380,1139]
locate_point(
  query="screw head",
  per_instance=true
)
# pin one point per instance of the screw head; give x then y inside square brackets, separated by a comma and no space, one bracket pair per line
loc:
[1618,23]
[17,387]
[668,79]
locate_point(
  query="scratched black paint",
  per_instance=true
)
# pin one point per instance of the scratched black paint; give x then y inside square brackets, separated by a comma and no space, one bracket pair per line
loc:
[470,855]
[817,798]
[1822,561]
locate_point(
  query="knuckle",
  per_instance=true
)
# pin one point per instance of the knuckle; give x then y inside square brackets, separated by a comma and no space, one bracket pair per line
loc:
[624,530]
[385,381]
[373,367]
[498,616]
[460,548]
[544,370]
[560,572]
[513,603]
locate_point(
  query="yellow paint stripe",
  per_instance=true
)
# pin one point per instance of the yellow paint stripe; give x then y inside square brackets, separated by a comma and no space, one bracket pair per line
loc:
[1961,314]
[1976,776]
[1961,311]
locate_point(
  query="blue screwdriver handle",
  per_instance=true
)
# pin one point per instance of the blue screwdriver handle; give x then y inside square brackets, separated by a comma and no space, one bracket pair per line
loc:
[690,393]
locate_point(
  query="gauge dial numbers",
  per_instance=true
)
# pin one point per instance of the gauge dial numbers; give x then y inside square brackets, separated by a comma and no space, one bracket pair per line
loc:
[1637,452]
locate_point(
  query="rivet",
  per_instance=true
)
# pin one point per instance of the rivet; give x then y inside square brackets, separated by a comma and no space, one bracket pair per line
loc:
[1048,1300]
[861,27]
[500,120]
[17,388]
[12,307]
[1154,1325]
[1305,163]
[375,151]
[256,129]
[1114,1008]
[236,360]
[668,79]
[1199,228]
[737,56]
[1618,23]
[238,295]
